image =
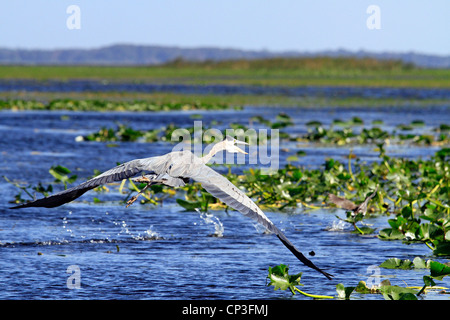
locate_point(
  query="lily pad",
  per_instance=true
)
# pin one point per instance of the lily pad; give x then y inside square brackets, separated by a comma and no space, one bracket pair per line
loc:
[279,278]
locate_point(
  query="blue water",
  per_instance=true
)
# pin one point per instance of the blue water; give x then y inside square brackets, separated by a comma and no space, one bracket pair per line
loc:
[83,85]
[163,252]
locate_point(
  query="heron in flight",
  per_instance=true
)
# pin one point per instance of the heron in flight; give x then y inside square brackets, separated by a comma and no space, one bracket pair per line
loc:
[175,169]
[350,206]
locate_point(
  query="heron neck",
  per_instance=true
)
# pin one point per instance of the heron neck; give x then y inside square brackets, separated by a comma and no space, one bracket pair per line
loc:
[216,148]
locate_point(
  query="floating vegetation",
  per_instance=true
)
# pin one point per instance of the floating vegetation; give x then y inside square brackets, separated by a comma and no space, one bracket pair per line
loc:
[61,175]
[373,135]
[125,133]
[339,133]
[106,105]
[280,279]
[122,133]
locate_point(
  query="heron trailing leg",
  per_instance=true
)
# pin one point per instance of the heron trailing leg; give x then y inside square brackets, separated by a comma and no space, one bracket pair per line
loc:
[140,180]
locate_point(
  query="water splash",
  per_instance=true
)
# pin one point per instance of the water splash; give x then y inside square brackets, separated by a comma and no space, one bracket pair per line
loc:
[149,234]
[65,226]
[336,226]
[212,219]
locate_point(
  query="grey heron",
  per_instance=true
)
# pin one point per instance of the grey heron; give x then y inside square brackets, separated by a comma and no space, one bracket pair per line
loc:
[349,205]
[175,169]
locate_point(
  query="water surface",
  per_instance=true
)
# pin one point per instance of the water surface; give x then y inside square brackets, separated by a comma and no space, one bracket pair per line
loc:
[163,252]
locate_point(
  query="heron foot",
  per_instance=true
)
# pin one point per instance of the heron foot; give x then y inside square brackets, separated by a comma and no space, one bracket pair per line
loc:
[143,179]
[132,200]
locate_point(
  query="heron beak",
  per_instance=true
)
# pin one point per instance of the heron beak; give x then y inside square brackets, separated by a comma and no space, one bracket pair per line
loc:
[240,150]
[240,142]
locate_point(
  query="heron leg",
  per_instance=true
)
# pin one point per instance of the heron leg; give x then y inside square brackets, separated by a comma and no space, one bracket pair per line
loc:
[143,179]
[140,180]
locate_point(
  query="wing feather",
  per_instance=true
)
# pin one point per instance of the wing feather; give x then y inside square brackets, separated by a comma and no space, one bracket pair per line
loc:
[123,171]
[221,188]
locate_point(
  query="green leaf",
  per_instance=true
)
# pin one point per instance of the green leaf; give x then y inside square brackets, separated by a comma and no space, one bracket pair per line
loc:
[301,153]
[419,263]
[279,278]
[442,248]
[97,200]
[61,173]
[362,288]
[439,270]
[344,292]
[60,170]
[395,263]
[297,174]
[366,230]
[189,206]
[391,234]
[407,211]
[428,231]
[398,293]
[428,281]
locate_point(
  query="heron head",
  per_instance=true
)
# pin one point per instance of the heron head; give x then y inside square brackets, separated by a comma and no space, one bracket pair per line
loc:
[230,145]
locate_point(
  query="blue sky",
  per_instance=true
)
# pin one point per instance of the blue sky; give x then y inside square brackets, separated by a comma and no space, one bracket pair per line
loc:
[276,25]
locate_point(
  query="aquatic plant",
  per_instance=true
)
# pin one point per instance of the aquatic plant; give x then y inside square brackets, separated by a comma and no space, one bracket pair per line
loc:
[122,133]
[421,193]
[60,174]
[280,279]
[385,288]
[39,188]
[104,105]
[437,272]
[339,133]
[353,219]
[373,135]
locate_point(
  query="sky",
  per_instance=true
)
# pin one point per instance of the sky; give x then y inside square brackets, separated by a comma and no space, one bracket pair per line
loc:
[274,25]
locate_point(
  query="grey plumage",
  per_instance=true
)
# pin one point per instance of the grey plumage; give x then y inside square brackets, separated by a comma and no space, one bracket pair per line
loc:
[175,169]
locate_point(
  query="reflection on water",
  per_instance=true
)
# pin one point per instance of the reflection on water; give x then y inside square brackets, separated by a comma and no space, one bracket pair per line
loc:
[163,252]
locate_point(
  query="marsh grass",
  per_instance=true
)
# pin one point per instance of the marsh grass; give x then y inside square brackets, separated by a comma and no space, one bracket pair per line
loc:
[317,71]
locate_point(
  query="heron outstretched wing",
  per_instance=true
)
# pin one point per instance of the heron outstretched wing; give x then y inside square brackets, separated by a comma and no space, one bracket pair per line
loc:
[161,167]
[123,171]
[221,188]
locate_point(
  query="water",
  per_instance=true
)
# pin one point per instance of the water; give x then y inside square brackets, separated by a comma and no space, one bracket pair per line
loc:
[163,252]
[83,85]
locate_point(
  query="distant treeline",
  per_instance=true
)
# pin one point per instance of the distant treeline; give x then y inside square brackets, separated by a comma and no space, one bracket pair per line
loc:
[141,55]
